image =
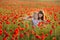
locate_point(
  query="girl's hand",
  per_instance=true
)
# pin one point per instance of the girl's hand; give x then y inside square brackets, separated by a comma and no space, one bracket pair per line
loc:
[27,18]
[30,16]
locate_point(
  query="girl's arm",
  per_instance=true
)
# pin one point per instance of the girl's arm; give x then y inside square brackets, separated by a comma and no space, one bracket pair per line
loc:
[27,18]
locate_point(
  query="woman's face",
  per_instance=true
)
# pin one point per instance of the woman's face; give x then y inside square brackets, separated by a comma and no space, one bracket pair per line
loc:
[40,15]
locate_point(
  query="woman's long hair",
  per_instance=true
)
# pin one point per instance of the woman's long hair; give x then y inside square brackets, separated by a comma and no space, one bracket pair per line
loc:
[41,12]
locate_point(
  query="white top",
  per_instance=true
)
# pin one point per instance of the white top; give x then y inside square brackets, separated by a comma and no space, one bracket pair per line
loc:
[35,22]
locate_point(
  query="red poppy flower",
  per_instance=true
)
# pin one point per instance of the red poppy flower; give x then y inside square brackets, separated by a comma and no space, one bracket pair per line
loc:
[21,35]
[4,38]
[53,26]
[5,17]
[27,25]
[16,31]
[59,22]
[6,33]
[37,36]
[12,38]
[16,38]
[0,26]
[54,38]
[46,35]
[55,17]
[40,23]
[43,36]
[22,29]
[48,21]
[32,32]
[50,13]
[15,17]
[0,22]
[14,22]
[7,22]
[1,31]
[51,31]
[33,27]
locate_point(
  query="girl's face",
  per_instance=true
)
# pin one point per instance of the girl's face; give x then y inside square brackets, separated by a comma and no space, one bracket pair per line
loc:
[36,16]
[40,15]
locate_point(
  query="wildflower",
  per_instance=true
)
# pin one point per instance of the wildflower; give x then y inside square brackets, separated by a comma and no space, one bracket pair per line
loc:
[55,17]
[54,38]
[4,38]
[33,27]
[16,31]
[12,38]
[53,26]
[37,36]
[43,36]
[0,26]
[6,33]
[27,25]
[0,22]
[16,16]
[32,32]
[48,21]
[46,35]
[7,22]
[1,31]
[21,35]
[51,31]
[40,23]
[4,17]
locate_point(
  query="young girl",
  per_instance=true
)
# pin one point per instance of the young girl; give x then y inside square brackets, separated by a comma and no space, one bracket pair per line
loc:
[35,20]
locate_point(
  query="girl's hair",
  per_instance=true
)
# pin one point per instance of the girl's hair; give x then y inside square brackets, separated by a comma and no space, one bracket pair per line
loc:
[34,15]
[41,12]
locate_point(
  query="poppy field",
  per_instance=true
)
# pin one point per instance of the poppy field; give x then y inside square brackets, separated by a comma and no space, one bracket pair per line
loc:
[14,27]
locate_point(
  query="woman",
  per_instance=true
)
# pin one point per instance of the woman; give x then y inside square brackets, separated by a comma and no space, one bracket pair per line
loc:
[41,16]
[41,19]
